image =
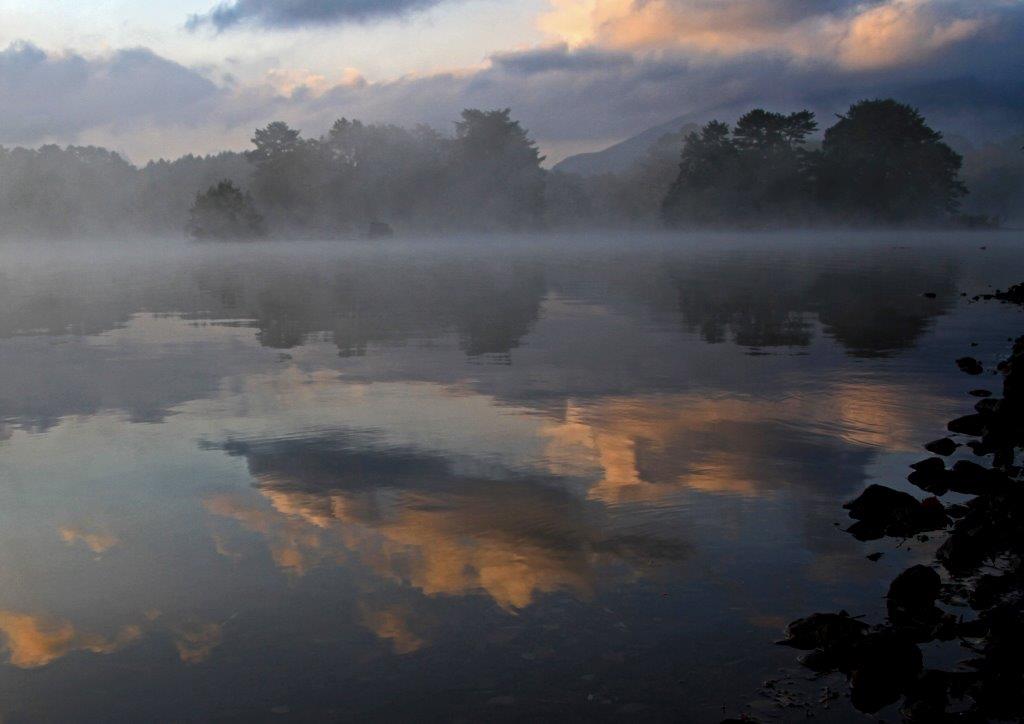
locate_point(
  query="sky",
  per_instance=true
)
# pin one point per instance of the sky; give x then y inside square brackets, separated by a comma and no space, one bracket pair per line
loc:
[161,78]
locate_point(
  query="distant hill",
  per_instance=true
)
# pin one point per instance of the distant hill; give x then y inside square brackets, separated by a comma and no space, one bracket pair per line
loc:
[943,104]
[622,155]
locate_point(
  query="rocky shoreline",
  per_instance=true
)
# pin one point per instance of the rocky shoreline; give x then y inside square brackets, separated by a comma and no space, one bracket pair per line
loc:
[978,569]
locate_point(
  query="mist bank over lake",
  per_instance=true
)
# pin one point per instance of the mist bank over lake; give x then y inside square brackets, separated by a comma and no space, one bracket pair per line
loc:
[880,164]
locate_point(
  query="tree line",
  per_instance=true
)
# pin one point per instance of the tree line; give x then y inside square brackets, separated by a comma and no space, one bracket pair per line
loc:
[879,163]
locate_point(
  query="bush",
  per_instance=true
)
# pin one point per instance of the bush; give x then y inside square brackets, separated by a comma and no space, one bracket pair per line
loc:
[224,212]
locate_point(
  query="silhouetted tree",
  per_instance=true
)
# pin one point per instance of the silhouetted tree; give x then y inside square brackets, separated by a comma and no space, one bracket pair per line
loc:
[288,176]
[166,190]
[224,212]
[776,171]
[758,171]
[706,188]
[881,162]
[498,179]
[383,172]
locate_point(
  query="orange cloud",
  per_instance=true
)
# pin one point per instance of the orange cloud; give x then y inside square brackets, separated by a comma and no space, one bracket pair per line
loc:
[289,80]
[392,624]
[439,546]
[196,640]
[32,641]
[650,449]
[295,546]
[894,32]
[900,31]
[99,541]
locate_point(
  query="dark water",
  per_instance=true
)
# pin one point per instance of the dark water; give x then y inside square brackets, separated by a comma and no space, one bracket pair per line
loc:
[571,479]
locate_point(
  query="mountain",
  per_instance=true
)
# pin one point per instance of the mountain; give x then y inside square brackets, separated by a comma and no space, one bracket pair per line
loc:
[963,108]
[622,155]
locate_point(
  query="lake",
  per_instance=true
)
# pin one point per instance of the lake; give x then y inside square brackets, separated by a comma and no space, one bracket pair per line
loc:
[462,480]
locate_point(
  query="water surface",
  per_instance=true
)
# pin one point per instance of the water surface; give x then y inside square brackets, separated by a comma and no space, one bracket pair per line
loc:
[567,478]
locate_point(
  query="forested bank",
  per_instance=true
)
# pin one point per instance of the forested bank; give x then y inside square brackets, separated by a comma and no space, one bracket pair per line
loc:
[879,163]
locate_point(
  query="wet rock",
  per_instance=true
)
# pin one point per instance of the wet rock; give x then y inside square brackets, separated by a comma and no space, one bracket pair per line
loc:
[878,500]
[1014,295]
[912,594]
[956,510]
[876,556]
[974,425]
[970,478]
[929,465]
[966,548]
[884,664]
[988,405]
[928,698]
[882,511]
[930,475]
[970,365]
[943,446]
[984,555]
[819,661]
[929,295]
[824,631]
[989,590]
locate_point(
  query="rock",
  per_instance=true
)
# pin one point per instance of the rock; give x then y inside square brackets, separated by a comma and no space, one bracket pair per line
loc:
[988,405]
[943,446]
[970,365]
[929,295]
[956,510]
[878,500]
[930,475]
[989,589]
[912,594]
[929,465]
[928,698]
[884,664]
[876,556]
[980,393]
[970,478]
[824,631]
[1014,294]
[966,548]
[881,511]
[974,425]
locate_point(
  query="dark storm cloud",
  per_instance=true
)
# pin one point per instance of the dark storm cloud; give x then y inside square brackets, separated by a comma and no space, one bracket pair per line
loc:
[294,13]
[46,95]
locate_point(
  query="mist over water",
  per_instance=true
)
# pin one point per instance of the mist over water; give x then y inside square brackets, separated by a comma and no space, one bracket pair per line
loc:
[493,478]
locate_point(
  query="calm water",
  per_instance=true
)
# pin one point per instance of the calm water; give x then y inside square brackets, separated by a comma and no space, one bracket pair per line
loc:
[570,479]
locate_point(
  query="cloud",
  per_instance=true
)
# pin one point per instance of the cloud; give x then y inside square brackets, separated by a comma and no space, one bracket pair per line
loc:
[196,640]
[610,68]
[297,13]
[392,623]
[558,58]
[32,641]
[441,533]
[58,95]
[98,541]
[878,33]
